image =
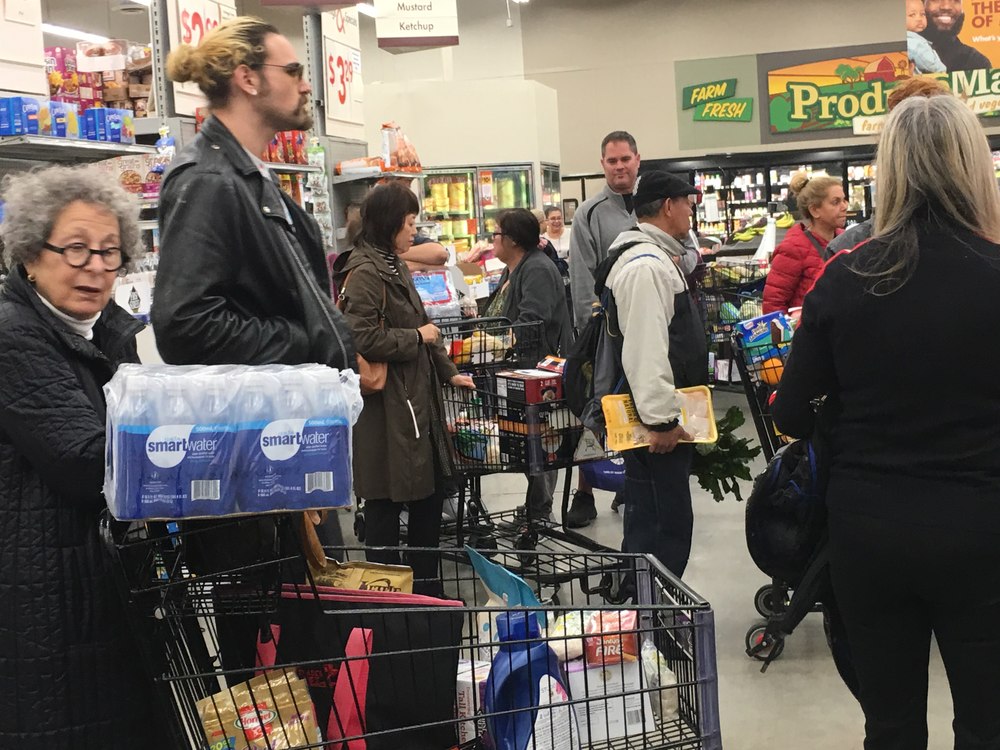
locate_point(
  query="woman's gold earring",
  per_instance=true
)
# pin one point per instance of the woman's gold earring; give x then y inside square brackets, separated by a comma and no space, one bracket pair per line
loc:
[31,278]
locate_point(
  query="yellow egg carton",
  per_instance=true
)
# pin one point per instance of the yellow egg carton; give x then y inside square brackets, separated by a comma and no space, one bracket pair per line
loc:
[626,431]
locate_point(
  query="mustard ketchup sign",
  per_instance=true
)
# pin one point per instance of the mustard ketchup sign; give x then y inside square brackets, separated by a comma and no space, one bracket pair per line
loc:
[715,102]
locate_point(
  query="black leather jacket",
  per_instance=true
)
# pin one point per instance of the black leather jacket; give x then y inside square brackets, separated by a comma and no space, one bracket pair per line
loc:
[237,282]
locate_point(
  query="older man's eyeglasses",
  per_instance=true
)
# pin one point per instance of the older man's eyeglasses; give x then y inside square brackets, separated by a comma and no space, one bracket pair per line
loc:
[294,69]
[78,255]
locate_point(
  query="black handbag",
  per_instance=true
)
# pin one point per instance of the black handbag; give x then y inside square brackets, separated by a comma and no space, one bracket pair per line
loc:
[377,663]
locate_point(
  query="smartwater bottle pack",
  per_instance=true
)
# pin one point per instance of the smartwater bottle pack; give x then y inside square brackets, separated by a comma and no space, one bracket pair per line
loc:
[202,441]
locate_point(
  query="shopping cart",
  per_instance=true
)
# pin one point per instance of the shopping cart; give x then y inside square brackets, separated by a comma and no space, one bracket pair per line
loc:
[761,366]
[729,291]
[493,433]
[381,669]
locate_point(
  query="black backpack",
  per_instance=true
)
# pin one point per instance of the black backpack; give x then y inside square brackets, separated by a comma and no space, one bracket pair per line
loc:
[786,513]
[582,360]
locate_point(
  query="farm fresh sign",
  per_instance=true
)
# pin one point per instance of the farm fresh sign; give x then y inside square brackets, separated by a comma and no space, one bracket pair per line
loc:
[830,94]
[715,102]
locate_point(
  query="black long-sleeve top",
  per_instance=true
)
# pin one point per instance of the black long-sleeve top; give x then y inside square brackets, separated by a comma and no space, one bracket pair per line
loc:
[916,376]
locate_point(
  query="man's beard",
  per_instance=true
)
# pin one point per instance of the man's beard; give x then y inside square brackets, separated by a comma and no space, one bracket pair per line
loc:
[300,119]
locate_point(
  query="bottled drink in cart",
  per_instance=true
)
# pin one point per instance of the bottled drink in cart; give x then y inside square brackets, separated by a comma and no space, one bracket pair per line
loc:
[255,411]
[136,415]
[209,465]
[331,419]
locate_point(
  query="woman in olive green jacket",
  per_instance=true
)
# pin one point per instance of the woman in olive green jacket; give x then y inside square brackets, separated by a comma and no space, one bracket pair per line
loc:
[401,447]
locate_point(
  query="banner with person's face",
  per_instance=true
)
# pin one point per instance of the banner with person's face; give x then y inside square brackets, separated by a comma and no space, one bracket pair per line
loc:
[950,35]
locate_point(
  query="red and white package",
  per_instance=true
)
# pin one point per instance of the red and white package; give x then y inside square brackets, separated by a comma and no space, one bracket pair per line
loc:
[611,637]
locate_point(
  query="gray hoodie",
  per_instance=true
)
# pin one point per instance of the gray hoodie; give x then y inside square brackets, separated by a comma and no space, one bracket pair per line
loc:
[596,225]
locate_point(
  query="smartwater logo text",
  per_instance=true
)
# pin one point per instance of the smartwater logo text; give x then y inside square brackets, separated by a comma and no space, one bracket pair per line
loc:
[168,445]
[282,439]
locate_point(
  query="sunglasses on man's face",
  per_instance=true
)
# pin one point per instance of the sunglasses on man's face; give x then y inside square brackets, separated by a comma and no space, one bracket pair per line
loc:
[294,69]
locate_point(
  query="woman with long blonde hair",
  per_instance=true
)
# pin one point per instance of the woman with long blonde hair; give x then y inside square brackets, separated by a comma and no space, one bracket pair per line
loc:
[889,336]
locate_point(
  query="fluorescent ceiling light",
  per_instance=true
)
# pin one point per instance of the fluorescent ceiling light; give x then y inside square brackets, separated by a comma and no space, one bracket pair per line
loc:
[147,3]
[367,9]
[83,36]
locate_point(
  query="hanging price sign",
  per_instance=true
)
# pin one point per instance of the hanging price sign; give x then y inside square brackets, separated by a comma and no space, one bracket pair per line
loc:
[342,84]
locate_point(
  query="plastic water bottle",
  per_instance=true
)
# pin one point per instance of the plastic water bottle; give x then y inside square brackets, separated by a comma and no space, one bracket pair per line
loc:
[163,489]
[208,468]
[332,419]
[135,417]
[255,475]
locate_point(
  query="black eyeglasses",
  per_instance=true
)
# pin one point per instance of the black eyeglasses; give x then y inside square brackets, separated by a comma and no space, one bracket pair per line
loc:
[78,255]
[294,69]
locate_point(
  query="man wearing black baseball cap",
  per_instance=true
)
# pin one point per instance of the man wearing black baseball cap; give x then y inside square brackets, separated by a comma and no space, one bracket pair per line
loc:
[663,348]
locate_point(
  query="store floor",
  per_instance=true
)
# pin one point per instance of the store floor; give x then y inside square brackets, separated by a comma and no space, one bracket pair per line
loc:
[801,701]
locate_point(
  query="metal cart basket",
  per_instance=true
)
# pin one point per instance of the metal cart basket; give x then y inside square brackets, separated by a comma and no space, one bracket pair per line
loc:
[377,669]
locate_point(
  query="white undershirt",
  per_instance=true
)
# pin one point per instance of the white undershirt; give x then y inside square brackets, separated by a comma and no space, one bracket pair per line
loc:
[83,328]
[268,175]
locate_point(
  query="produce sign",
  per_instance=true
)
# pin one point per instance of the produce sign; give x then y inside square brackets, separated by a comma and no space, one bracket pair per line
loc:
[830,94]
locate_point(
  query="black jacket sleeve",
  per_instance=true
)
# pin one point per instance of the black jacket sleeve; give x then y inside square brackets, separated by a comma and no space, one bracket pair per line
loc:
[194,315]
[47,416]
[809,372]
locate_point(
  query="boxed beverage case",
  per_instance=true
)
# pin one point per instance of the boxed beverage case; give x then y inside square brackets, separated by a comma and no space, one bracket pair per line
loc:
[59,119]
[19,115]
[528,386]
[189,442]
[95,122]
[470,699]
[614,706]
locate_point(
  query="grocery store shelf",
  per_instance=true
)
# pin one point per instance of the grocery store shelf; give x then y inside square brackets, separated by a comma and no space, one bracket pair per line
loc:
[373,177]
[47,148]
[281,168]
[447,213]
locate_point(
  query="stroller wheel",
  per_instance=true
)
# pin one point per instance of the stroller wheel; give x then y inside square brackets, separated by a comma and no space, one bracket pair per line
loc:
[770,600]
[761,645]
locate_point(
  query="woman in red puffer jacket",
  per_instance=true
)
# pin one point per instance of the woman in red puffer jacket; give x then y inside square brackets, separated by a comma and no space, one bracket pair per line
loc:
[798,260]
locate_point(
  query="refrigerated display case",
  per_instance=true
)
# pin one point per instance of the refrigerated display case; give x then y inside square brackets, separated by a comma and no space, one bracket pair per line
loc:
[860,190]
[501,188]
[551,186]
[464,201]
[780,176]
[748,201]
[710,216]
[450,202]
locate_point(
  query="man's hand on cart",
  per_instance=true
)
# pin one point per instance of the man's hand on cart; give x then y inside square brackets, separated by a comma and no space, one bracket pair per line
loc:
[665,442]
[463,381]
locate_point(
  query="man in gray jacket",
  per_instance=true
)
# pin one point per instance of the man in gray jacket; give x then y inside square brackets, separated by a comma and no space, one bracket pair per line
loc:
[596,224]
[663,348]
[599,220]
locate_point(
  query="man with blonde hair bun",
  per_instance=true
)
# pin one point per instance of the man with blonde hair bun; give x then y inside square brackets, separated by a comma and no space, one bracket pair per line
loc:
[242,277]
[855,235]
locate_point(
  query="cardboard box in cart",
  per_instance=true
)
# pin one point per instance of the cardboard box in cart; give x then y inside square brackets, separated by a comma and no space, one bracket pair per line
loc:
[601,718]
[470,699]
[529,386]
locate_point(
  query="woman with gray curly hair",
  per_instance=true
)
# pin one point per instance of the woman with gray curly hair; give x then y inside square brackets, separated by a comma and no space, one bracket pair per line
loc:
[69,675]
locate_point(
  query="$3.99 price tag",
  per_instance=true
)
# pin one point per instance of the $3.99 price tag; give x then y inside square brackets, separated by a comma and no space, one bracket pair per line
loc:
[342,92]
